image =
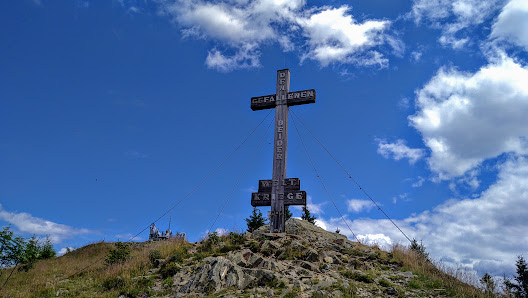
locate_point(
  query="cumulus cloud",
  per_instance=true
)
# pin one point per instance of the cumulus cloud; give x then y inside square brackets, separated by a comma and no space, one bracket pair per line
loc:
[222,231]
[512,23]
[26,223]
[334,36]
[485,234]
[64,250]
[246,57]
[355,205]
[331,35]
[399,151]
[316,209]
[419,182]
[466,118]
[454,16]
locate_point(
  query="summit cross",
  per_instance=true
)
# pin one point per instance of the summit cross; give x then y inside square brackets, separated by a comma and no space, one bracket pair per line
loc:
[280,191]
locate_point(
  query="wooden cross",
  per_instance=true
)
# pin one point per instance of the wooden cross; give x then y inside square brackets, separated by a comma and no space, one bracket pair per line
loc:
[280,191]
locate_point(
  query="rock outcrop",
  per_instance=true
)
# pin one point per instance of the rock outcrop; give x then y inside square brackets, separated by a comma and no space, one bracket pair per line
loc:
[306,261]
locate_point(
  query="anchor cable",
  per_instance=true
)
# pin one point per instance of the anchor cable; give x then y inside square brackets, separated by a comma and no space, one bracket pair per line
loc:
[186,196]
[206,178]
[350,176]
[241,175]
[321,180]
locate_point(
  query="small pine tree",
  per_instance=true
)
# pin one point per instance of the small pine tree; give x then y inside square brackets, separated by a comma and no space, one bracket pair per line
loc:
[287,213]
[489,285]
[306,216]
[419,249]
[255,220]
[47,251]
[519,289]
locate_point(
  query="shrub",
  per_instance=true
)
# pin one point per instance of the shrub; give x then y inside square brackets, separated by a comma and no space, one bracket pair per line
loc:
[385,283]
[180,254]
[235,238]
[154,256]
[363,278]
[119,254]
[113,283]
[169,269]
[209,243]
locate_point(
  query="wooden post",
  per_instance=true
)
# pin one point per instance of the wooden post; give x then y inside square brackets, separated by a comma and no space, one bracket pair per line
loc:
[280,152]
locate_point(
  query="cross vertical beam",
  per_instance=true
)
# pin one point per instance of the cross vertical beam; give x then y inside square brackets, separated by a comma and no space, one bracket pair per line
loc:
[280,152]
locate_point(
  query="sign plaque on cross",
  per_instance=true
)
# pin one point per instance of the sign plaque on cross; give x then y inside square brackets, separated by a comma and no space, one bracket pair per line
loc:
[280,191]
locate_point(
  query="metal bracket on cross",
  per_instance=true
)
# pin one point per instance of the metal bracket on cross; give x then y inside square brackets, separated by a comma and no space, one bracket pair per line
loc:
[280,191]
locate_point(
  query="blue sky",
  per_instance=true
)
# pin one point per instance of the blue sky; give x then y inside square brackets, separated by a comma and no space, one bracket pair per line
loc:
[113,111]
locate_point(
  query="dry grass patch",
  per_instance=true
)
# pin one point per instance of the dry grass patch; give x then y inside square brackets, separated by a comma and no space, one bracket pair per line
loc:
[60,275]
[434,276]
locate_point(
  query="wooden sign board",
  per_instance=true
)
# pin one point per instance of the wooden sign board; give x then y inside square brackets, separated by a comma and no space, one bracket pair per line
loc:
[289,198]
[292,99]
[290,185]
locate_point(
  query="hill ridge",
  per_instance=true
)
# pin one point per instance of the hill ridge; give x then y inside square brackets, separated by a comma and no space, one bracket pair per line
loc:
[306,261]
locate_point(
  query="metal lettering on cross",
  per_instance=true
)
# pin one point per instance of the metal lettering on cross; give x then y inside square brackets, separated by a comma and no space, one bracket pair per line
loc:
[280,191]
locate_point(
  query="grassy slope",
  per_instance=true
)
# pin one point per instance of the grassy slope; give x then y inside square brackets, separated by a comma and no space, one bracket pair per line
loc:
[52,277]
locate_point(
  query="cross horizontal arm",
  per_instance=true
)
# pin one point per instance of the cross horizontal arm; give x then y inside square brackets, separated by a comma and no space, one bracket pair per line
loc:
[290,185]
[288,198]
[292,99]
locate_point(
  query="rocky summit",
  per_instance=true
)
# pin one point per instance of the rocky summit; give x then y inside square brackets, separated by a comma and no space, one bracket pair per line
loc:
[306,261]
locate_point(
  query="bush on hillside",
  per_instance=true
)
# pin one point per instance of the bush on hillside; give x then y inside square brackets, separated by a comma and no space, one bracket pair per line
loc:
[119,254]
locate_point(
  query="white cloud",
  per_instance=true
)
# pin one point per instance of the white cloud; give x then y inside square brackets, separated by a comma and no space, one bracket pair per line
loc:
[334,36]
[26,223]
[357,206]
[485,234]
[466,118]
[380,240]
[403,103]
[416,56]
[404,197]
[127,237]
[134,154]
[316,209]
[331,34]
[64,250]
[399,151]
[512,23]
[454,16]
[419,182]
[222,231]
[320,224]
[244,58]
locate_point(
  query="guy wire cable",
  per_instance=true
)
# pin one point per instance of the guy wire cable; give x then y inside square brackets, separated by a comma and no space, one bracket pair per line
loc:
[321,180]
[349,176]
[241,175]
[193,190]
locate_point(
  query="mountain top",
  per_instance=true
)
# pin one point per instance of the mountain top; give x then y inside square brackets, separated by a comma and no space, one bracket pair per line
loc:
[306,261]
